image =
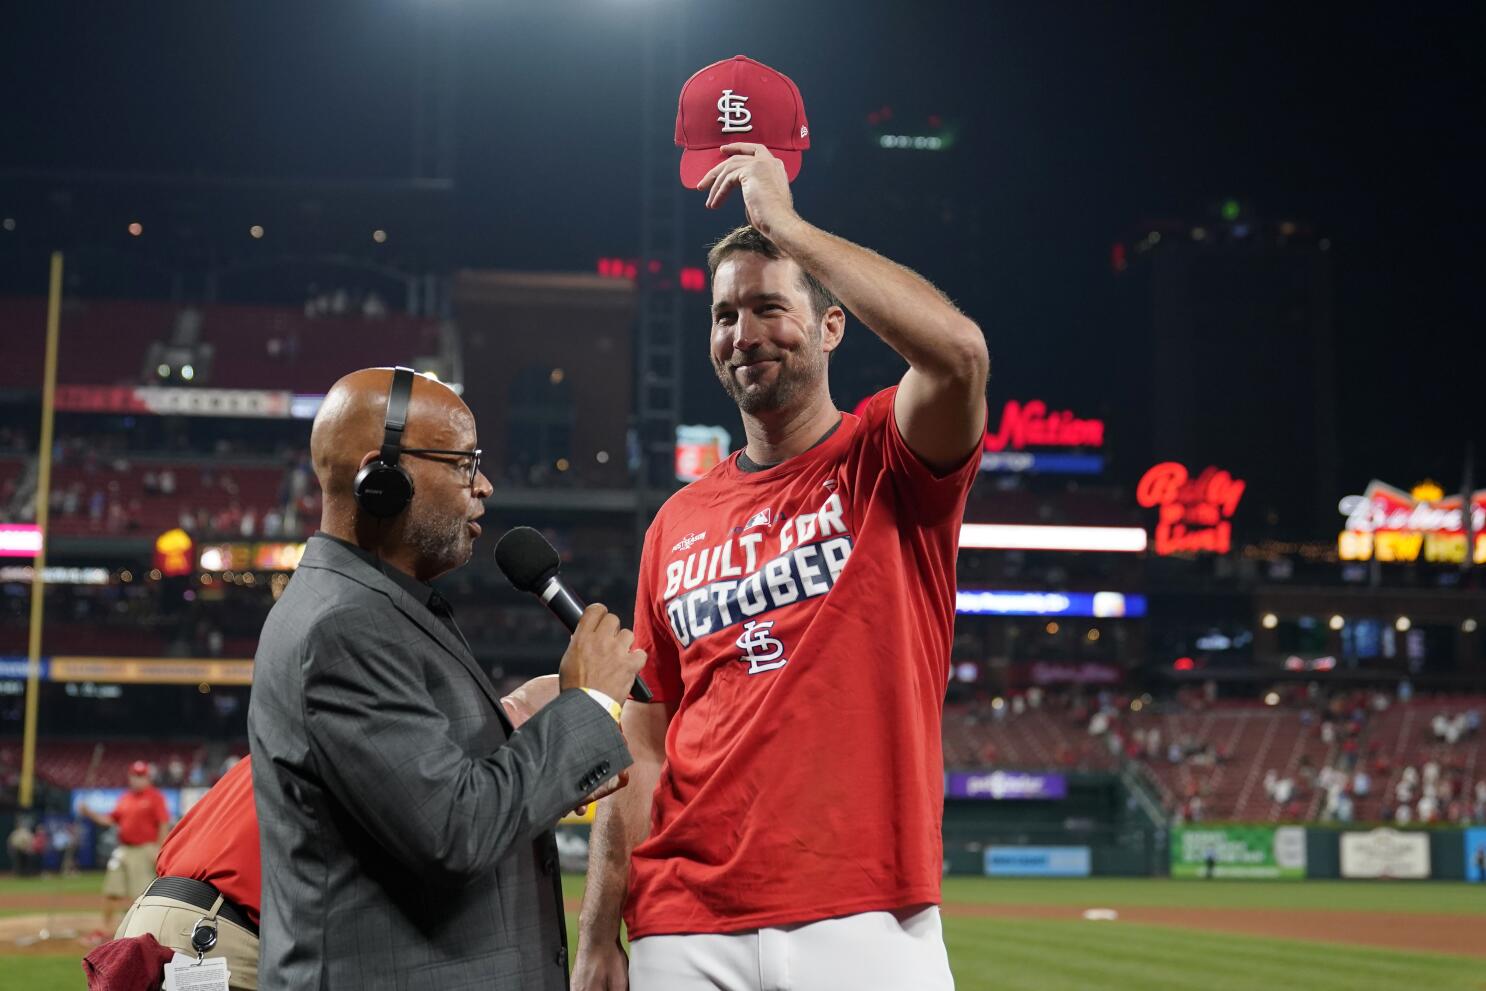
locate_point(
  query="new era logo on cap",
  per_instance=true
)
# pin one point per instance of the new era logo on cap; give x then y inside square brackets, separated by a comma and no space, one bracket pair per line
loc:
[737,100]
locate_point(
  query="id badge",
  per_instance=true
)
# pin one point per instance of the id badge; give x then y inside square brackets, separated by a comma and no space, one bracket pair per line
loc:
[184,973]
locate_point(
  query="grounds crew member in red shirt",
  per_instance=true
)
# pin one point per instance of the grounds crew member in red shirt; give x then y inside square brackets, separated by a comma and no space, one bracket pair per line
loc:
[783,823]
[143,820]
[210,865]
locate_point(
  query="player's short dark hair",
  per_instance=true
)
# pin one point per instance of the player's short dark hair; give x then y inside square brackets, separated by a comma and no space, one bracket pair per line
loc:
[747,238]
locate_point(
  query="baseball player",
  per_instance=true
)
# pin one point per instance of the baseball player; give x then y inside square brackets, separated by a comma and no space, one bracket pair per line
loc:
[782,829]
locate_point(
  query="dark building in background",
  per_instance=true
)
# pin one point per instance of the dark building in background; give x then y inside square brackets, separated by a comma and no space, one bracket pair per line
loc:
[548,373]
[1236,359]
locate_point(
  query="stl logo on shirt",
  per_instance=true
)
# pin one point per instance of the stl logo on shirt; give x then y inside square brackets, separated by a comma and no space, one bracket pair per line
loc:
[762,651]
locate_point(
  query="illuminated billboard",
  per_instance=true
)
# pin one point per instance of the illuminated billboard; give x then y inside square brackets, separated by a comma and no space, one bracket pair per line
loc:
[266,556]
[986,602]
[699,449]
[1389,524]
[1018,537]
[1031,438]
[1193,514]
[20,540]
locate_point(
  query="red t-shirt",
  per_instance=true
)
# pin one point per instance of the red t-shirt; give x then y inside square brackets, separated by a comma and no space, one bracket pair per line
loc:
[798,623]
[140,814]
[217,841]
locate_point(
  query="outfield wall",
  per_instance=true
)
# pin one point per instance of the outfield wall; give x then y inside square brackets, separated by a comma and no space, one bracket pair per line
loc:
[1362,851]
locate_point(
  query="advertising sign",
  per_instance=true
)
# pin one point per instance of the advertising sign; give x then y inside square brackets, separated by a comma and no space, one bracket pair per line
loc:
[19,666]
[1037,861]
[1194,514]
[151,670]
[173,553]
[1238,851]
[1385,853]
[699,449]
[1065,673]
[998,785]
[20,540]
[1031,438]
[266,556]
[986,602]
[1030,425]
[1475,855]
[1388,524]
[172,401]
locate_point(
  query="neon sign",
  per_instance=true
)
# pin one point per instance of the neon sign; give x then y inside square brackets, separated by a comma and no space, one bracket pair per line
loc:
[173,553]
[1031,425]
[1194,514]
[1388,524]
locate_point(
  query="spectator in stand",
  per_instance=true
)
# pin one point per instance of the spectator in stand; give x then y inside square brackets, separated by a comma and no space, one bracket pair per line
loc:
[142,819]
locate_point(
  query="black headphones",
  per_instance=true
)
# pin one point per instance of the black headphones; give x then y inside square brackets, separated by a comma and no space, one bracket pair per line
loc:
[384,488]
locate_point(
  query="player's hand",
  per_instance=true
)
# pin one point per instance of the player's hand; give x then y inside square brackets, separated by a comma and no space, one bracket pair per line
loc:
[528,700]
[761,176]
[601,968]
[601,656]
[604,791]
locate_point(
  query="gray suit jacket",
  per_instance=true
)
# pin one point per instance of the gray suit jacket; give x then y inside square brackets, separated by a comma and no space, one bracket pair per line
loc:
[406,830]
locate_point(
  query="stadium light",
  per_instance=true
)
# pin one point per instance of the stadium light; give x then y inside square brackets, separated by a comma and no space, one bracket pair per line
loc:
[998,536]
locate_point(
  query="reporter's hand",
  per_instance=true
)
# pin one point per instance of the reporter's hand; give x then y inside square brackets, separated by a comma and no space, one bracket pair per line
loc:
[600,656]
[529,699]
[601,968]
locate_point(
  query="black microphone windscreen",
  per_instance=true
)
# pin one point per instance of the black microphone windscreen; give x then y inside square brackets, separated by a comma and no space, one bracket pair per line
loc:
[526,558]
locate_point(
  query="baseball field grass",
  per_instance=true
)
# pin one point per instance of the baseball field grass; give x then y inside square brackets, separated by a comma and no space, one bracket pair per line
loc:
[1012,935]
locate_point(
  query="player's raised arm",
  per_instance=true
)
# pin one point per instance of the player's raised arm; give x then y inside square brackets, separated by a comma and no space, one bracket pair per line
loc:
[940,404]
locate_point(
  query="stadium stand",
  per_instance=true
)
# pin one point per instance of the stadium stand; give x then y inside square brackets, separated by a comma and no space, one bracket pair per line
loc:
[252,347]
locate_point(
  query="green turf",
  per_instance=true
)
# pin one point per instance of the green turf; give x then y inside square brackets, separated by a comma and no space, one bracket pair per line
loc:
[1034,955]
[1452,898]
[43,973]
[999,954]
[91,882]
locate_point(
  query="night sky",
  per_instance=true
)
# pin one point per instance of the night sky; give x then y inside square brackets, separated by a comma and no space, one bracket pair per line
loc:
[1075,121]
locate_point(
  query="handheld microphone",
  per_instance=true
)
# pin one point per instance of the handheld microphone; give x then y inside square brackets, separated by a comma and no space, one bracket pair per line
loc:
[531,564]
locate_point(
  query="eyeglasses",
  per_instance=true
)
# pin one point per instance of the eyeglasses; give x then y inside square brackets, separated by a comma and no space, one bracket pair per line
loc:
[472,456]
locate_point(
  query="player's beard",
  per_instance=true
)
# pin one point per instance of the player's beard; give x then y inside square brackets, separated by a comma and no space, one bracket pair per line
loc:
[442,540]
[796,376]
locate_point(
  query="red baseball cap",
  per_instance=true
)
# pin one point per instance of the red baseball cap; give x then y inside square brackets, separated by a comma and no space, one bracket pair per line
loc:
[735,100]
[139,769]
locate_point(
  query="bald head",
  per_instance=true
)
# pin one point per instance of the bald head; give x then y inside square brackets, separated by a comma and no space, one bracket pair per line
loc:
[351,421]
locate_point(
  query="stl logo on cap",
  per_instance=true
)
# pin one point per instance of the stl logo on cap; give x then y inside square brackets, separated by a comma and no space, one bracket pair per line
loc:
[735,116]
[739,96]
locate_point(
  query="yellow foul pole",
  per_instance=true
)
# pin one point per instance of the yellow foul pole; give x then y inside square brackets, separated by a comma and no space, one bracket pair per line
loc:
[43,502]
